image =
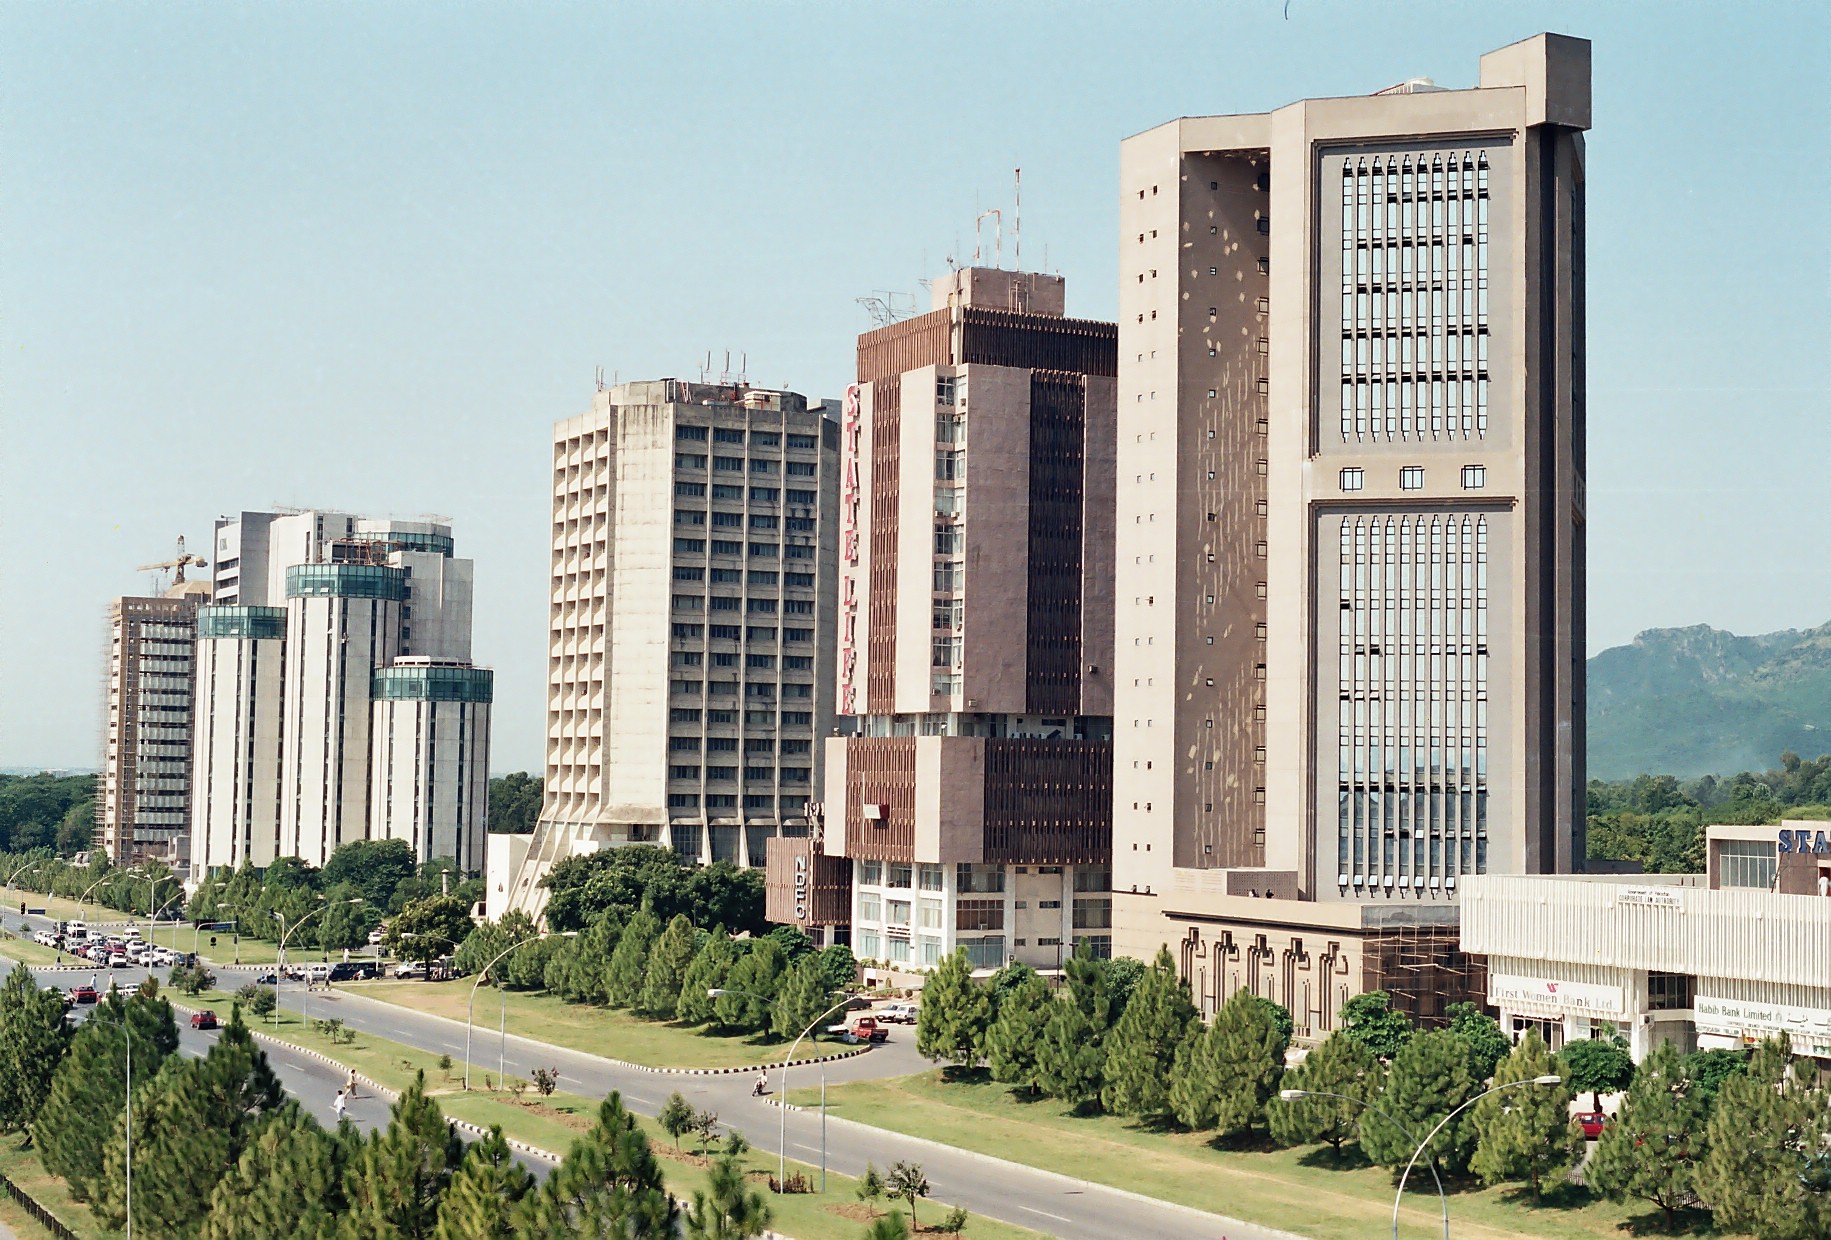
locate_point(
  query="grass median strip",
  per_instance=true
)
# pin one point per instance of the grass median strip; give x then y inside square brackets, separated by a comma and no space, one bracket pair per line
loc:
[22,1167]
[553,1123]
[1297,1190]
[32,953]
[595,1030]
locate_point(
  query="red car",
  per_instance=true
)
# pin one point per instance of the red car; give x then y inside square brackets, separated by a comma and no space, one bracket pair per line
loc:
[1591,1122]
[203,1020]
[82,994]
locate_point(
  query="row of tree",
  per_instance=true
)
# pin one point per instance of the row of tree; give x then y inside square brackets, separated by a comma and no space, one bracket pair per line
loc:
[1659,820]
[775,985]
[1688,1132]
[55,813]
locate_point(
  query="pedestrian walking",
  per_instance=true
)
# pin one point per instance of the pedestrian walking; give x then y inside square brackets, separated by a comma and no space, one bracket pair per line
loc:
[351,1086]
[337,1105]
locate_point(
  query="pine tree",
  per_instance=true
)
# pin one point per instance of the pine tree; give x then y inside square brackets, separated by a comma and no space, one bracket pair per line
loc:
[1487,1044]
[951,1022]
[668,961]
[1342,1066]
[1525,1133]
[577,973]
[397,1179]
[752,986]
[1656,1143]
[1143,1045]
[34,1038]
[623,979]
[609,1184]
[710,968]
[1223,1077]
[1767,1171]
[730,1209]
[288,1182]
[1089,985]
[485,1193]
[1429,1078]
[89,1089]
[889,1226]
[675,1116]
[802,999]
[1371,1020]
[191,1124]
[1014,1040]
[1071,1056]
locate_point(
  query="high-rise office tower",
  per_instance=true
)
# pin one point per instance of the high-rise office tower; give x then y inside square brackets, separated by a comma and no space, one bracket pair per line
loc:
[337,700]
[1350,570]
[692,602]
[143,801]
[975,629]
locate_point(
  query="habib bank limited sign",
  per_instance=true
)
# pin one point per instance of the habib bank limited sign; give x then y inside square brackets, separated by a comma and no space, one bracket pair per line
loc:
[1539,994]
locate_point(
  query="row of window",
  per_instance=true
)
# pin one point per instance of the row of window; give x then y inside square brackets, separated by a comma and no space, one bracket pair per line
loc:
[736,576]
[735,465]
[728,744]
[790,774]
[728,688]
[729,434]
[722,658]
[755,606]
[752,718]
[735,520]
[761,551]
[737,632]
[727,800]
[758,495]
[1411,478]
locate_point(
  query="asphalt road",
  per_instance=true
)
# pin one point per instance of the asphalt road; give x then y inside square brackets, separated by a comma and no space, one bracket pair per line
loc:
[1043,1201]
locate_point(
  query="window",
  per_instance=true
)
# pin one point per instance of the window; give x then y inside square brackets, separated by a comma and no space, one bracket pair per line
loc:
[686,516]
[687,602]
[683,714]
[949,577]
[721,800]
[683,772]
[759,633]
[1100,946]
[721,603]
[801,497]
[766,551]
[758,774]
[801,469]
[689,460]
[798,552]
[1093,878]
[1474,477]
[721,744]
[764,495]
[1353,479]
[797,718]
[721,772]
[760,466]
[871,873]
[688,687]
[802,580]
[801,442]
[928,951]
[978,878]
[900,874]
[726,434]
[979,915]
[683,800]
[896,912]
[683,744]
[727,576]
[687,658]
[765,439]
[869,944]
[694,434]
[689,630]
[931,877]
[798,662]
[897,950]
[726,520]
[870,905]
[797,635]
[690,490]
[682,573]
[1746,863]
[690,546]
[723,490]
[728,464]
[984,953]
[950,466]
[721,546]
[1411,478]
[798,607]
[944,389]
[762,577]
[724,632]
[759,660]
[1667,992]
[761,606]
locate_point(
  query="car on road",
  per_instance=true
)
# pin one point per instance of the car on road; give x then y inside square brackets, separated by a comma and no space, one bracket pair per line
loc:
[205,1019]
[861,1029]
[118,960]
[376,937]
[267,979]
[897,1013]
[352,971]
[63,996]
[82,994]
[159,957]
[410,968]
[316,973]
[1592,1123]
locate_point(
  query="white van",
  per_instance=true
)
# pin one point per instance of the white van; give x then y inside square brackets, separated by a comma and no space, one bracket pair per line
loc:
[75,932]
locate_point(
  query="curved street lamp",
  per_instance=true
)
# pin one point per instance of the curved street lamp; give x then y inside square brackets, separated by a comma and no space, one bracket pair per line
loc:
[471,1007]
[22,868]
[127,1031]
[1292,1095]
[1548,1079]
[782,1104]
[279,955]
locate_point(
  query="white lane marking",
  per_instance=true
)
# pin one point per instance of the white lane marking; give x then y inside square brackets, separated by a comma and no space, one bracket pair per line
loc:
[1058,1218]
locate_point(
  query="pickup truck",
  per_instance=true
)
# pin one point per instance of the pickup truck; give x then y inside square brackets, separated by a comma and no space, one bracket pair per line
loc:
[860,1029]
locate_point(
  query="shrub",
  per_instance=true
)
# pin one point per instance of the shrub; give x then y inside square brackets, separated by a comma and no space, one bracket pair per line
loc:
[258,1000]
[546,1080]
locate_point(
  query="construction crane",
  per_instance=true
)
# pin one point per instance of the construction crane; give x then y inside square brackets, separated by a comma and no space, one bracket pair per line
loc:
[177,564]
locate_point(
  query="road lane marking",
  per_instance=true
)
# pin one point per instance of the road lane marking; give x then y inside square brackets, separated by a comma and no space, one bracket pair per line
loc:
[1058,1218]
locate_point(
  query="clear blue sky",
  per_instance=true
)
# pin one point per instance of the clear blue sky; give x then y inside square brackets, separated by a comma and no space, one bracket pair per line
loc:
[361,256]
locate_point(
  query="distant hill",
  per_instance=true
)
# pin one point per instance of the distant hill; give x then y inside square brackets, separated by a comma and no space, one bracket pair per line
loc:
[1699,701]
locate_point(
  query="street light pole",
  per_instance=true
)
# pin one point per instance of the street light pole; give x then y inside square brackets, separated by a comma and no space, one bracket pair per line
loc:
[1292,1095]
[471,1007]
[782,1103]
[279,955]
[127,1037]
[1549,1079]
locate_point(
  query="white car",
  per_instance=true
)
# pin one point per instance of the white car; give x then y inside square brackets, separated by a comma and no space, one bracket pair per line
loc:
[159,957]
[409,968]
[897,1013]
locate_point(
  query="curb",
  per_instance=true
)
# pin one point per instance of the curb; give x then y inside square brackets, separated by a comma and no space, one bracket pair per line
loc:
[392,1095]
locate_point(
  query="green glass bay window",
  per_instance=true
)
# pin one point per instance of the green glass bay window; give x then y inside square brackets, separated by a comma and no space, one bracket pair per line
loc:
[346,581]
[408,540]
[256,622]
[434,684]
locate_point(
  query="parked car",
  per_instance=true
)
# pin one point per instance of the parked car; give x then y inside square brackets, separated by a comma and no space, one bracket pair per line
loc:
[376,936]
[118,959]
[159,957]
[82,994]
[861,1029]
[409,968]
[316,973]
[352,971]
[901,1013]
[1592,1123]
[63,996]
[267,979]
[205,1019]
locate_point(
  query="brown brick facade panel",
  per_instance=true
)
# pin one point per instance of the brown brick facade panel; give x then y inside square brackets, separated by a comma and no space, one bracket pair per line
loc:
[802,886]
[1028,341]
[886,487]
[1058,460]
[1048,802]
[889,351]
[881,773]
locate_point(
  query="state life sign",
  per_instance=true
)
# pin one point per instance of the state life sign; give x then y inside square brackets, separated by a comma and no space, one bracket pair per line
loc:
[1799,841]
[1541,995]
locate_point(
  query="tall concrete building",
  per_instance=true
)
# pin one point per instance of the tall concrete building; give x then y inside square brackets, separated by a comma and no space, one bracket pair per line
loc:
[692,602]
[143,801]
[975,630]
[337,700]
[1350,569]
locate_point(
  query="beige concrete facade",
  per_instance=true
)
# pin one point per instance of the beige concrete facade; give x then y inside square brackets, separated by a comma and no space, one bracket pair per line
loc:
[692,600]
[143,798]
[1349,572]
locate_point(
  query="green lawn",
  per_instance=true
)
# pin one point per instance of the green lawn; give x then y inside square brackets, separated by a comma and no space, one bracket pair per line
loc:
[30,952]
[22,1167]
[599,1031]
[1297,1190]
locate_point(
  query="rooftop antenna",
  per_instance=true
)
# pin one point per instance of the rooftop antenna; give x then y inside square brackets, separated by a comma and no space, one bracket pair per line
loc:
[1017,219]
[600,378]
[743,368]
[998,236]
